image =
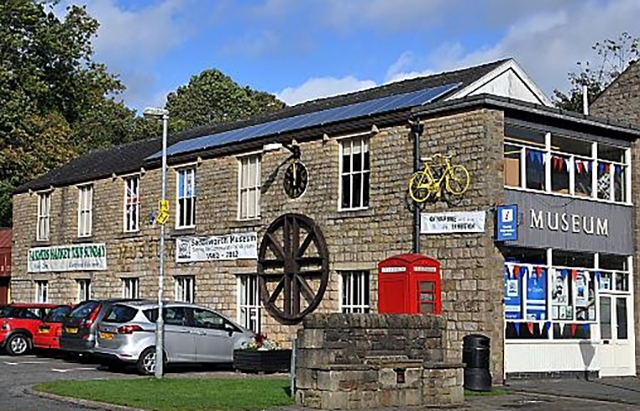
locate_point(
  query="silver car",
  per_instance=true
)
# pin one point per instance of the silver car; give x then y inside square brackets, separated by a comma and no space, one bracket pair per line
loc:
[193,334]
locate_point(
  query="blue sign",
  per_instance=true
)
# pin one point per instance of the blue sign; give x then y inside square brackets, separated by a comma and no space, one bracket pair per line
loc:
[507,222]
[512,292]
[537,294]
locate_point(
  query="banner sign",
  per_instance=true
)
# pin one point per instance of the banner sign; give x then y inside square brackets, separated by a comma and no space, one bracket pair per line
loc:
[507,222]
[76,257]
[215,248]
[455,222]
[512,292]
[537,293]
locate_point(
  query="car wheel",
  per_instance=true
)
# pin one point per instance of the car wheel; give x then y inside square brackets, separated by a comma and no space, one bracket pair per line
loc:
[18,344]
[146,364]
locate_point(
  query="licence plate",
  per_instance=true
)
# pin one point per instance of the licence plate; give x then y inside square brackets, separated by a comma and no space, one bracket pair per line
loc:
[106,336]
[72,330]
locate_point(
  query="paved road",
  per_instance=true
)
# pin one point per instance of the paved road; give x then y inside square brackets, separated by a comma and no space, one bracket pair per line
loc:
[18,373]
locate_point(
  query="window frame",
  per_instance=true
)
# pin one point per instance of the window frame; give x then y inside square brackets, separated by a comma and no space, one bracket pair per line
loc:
[131,225]
[249,187]
[248,287]
[43,228]
[365,142]
[193,197]
[85,210]
[551,154]
[180,290]
[84,294]
[352,307]
[42,289]
[130,287]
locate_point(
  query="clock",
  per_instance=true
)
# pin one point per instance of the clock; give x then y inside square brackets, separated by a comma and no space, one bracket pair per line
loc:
[296,178]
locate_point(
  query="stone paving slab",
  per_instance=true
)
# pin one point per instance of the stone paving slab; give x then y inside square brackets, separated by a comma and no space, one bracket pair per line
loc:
[620,390]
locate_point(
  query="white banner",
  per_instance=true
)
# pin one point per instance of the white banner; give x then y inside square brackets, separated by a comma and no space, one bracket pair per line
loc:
[455,222]
[76,257]
[215,248]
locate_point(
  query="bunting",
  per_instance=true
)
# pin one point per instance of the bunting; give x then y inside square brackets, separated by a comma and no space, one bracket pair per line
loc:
[530,327]
[586,330]
[574,274]
[574,326]
[538,272]
[517,327]
[547,326]
[516,271]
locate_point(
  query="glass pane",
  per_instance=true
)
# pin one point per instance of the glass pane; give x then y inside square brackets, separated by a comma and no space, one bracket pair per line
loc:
[535,169]
[611,153]
[621,318]
[426,308]
[357,190]
[367,165]
[427,286]
[604,181]
[512,155]
[605,318]
[619,189]
[346,191]
[582,174]
[365,190]
[622,282]
[560,166]
[346,163]
[357,163]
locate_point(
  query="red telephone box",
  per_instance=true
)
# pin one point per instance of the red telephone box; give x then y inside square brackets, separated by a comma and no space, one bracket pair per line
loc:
[409,284]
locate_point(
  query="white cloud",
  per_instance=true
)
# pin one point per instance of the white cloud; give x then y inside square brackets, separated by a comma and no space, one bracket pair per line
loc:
[317,87]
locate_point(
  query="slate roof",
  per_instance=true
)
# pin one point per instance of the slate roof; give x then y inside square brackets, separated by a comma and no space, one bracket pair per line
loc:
[131,157]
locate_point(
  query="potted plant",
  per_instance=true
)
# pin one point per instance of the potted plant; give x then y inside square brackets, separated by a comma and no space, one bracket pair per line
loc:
[262,356]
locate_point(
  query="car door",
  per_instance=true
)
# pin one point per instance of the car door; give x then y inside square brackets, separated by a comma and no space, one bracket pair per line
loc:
[180,342]
[213,342]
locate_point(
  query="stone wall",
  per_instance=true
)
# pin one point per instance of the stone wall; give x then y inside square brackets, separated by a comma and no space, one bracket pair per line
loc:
[357,240]
[364,361]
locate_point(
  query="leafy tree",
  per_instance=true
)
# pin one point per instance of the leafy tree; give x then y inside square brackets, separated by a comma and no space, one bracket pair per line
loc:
[49,88]
[614,55]
[213,97]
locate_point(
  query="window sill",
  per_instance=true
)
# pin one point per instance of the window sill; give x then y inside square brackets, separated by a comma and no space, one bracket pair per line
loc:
[41,243]
[573,197]
[79,240]
[130,234]
[249,222]
[179,232]
[356,213]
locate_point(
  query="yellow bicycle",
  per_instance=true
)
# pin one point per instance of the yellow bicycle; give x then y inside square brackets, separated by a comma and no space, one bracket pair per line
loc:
[438,173]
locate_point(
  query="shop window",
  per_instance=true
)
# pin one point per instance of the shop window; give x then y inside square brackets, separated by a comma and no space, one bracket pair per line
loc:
[525,255]
[185,289]
[132,204]
[560,170]
[583,175]
[354,173]
[84,290]
[573,259]
[512,170]
[249,302]
[186,209]
[249,187]
[130,287]
[355,291]
[42,291]
[85,210]
[44,216]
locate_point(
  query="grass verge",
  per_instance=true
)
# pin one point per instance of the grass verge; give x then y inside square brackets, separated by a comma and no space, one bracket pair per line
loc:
[179,393]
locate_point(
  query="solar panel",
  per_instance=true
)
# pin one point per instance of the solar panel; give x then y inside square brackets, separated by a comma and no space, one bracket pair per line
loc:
[331,115]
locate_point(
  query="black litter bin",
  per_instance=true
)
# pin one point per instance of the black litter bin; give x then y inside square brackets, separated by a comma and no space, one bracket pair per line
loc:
[476,355]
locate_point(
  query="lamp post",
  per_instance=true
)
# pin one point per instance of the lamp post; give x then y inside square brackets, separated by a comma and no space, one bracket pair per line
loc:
[164,115]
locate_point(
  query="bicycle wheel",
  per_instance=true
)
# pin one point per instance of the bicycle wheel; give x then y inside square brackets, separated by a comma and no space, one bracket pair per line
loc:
[457,180]
[418,187]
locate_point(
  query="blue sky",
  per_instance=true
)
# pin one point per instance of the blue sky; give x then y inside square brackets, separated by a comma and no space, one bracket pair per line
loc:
[304,49]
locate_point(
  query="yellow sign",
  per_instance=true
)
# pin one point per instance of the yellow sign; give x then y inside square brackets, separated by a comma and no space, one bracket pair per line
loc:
[162,217]
[163,206]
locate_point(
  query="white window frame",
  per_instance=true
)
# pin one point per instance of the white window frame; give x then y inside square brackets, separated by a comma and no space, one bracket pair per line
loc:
[130,287]
[363,141]
[85,210]
[186,195]
[185,288]
[249,190]
[549,153]
[44,216]
[348,280]
[84,289]
[42,291]
[131,206]
[249,309]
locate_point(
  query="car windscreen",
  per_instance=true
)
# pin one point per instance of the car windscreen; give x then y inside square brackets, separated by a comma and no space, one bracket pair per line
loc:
[84,310]
[58,314]
[120,314]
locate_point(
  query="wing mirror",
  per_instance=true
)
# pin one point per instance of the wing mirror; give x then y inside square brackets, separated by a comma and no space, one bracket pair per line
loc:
[229,328]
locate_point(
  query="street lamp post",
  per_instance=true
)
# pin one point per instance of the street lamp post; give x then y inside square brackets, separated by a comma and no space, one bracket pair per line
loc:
[164,115]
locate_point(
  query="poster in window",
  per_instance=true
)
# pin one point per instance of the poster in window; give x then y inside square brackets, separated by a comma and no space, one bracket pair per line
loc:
[536,293]
[512,293]
[560,290]
[585,296]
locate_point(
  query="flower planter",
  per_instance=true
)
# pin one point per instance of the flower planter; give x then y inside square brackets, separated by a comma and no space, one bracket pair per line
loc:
[262,361]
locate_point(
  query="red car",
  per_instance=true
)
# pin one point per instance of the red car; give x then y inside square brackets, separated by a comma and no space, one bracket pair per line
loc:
[48,334]
[19,322]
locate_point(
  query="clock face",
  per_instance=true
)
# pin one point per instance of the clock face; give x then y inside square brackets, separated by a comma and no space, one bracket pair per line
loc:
[295,179]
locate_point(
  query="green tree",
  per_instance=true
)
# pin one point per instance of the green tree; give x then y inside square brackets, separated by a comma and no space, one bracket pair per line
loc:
[213,97]
[54,96]
[614,57]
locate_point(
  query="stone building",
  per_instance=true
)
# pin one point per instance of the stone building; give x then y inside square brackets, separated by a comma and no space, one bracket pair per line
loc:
[261,209]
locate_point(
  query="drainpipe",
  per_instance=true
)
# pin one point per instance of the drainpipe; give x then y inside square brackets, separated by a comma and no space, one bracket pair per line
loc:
[417,129]
[585,100]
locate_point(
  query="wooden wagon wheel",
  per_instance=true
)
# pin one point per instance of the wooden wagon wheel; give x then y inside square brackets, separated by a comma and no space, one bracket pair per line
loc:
[292,253]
